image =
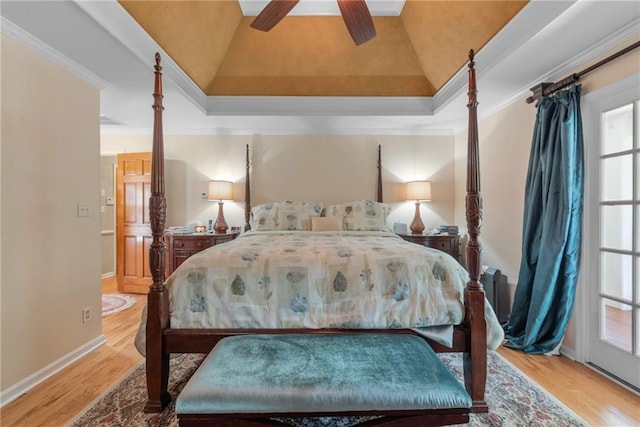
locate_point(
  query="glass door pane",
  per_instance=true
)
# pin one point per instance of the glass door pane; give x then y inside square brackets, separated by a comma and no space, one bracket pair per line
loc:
[617,178]
[616,324]
[617,130]
[616,225]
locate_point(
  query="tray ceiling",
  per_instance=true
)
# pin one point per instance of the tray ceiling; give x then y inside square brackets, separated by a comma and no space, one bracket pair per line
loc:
[413,54]
[102,44]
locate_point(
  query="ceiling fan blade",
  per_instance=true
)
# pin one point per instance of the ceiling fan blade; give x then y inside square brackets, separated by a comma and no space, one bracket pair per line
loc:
[272,14]
[358,20]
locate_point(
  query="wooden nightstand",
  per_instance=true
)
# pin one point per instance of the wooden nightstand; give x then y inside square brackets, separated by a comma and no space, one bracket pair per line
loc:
[182,246]
[446,243]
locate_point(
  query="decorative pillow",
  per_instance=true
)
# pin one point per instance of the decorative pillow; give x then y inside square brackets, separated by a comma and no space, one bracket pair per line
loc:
[265,217]
[295,215]
[327,223]
[363,215]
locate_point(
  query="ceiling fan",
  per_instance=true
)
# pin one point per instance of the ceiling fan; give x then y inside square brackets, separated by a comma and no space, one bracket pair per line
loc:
[355,14]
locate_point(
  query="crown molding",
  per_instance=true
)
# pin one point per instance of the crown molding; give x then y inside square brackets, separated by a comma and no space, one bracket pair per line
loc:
[626,34]
[623,35]
[16,33]
[309,129]
[527,23]
[117,22]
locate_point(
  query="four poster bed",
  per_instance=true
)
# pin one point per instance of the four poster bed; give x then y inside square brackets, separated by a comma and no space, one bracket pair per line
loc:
[246,280]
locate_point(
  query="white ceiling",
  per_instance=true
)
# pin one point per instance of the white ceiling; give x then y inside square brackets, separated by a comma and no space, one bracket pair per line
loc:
[102,44]
[324,7]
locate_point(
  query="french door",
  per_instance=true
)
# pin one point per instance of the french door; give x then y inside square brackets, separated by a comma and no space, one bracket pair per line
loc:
[612,231]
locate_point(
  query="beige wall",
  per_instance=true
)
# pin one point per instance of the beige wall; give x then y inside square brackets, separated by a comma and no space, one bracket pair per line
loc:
[331,169]
[505,141]
[50,257]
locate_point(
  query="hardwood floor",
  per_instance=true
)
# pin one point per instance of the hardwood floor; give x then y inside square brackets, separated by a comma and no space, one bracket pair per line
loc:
[593,397]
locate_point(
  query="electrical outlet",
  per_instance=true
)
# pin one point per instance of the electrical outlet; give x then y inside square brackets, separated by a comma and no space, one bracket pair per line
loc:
[86,314]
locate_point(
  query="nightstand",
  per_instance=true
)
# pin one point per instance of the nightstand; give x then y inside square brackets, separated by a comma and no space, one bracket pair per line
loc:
[182,246]
[446,243]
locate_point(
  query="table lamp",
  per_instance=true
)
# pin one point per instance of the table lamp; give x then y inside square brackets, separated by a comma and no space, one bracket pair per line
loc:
[220,190]
[420,191]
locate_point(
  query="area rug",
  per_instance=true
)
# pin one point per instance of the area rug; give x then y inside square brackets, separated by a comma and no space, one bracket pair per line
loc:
[113,303]
[514,400]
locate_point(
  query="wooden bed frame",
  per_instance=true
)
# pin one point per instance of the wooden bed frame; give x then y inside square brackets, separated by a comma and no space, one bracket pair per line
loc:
[469,337]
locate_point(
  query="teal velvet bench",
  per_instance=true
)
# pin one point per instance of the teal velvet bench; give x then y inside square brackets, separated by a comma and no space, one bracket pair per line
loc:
[252,379]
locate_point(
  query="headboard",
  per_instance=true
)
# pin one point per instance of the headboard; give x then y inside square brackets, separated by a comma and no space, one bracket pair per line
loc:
[248,201]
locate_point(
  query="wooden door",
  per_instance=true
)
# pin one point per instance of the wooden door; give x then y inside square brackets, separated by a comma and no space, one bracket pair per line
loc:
[133,232]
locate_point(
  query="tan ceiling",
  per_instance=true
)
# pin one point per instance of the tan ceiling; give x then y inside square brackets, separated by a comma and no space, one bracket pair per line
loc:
[413,54]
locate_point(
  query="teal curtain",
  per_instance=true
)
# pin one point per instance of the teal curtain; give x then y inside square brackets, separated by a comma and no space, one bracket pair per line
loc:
[552,227]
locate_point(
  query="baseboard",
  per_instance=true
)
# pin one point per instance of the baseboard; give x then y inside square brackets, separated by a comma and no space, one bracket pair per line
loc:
[21,387]
[568,352]
[109,274]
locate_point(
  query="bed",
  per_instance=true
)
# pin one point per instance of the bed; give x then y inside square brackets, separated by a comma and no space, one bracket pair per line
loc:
[335,279]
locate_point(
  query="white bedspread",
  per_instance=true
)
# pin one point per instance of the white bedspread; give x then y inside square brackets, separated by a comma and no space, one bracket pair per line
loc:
[338,279]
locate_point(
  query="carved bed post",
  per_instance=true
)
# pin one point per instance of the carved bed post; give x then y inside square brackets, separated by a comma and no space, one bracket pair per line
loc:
[379,195]
[247,194]
[157,361]
[475,359]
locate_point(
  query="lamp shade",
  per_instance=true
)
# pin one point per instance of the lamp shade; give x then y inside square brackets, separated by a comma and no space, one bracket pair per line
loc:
[220,190]
[419,190]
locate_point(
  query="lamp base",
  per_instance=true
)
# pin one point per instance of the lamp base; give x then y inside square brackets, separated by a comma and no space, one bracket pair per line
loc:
[417,227]
[220,227]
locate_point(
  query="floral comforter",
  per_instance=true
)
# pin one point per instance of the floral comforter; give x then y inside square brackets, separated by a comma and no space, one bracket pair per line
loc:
[338,279]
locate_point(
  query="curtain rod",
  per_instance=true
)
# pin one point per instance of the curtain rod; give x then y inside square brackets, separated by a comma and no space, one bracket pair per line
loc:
[545,88]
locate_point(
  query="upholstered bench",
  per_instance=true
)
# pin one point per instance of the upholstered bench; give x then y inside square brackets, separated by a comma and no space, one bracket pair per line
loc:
[249,379]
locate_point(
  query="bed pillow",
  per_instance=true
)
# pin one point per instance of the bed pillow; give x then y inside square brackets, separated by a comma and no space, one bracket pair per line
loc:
[327,223]
[265,217]
[363,215]
[296,215]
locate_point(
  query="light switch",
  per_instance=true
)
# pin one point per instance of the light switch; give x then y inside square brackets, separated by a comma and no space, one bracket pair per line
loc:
[83,209]
[109,201]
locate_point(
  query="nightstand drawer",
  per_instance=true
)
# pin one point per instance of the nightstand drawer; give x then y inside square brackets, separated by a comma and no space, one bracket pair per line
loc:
[181,247]
[442,242]
[443,245]
[191,243]
[217,239]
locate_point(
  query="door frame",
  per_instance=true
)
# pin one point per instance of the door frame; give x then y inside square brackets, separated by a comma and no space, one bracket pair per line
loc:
[592,104]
